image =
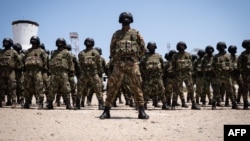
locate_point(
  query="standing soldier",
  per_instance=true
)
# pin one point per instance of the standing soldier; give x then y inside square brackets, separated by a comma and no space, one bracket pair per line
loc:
[209,76]
[182,63]
[151,67]
[90,64]
[19,74]
[199,76]
[9,62]
[35,64]
[126,48]
[223,66]
[61,69]
[244,68]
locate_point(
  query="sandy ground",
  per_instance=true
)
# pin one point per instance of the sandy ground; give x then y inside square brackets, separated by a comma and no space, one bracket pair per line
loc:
[60,124]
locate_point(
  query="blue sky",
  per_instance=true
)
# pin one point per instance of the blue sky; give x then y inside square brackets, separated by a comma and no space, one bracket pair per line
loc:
[197,22]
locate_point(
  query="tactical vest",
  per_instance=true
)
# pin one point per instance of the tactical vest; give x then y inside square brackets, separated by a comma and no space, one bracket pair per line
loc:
[34,59]
[198,65]
[7,59]
[88,60]
[245,63]
[183,62]
[59,60]
[207,64]
[153,63]
[222,63]
[126,43]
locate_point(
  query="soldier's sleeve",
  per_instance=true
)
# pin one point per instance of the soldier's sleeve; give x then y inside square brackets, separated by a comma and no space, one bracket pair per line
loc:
[112,45]
[239,65]
[44,57]
[99,64]
[17,60]
[70,64]
[141,44]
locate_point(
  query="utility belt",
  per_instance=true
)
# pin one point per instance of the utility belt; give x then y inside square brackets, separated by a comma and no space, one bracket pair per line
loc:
[127,59]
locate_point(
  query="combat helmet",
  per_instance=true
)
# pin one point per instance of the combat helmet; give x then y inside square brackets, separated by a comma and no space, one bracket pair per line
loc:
[7,42]
[181,43]
[126,18]
[35,40]
[60,42]
[89,42]
[232,49]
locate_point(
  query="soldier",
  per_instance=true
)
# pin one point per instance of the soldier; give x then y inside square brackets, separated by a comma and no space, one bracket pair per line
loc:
[35,64]
[209,76]
[9,62]
[199,76]
[19,74]
[244,68]
[90,64]
[235,74]
[182,64]
[223,67]
[151,67]
[61,69]
[126,48]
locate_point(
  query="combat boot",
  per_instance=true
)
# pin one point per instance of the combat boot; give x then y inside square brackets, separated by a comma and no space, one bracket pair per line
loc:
[77,106]
[40,104]
[165,106]
[195,106]
[68,104]
[131,103]
[142,114]
[245,105]
[101,104]
[13,106]
[213,106]
[184,104]
[26,104]
[1,105]
[227,103]
[106,113]
[173,105]
[234,105]
[145,106]
[50,105]
[8,103]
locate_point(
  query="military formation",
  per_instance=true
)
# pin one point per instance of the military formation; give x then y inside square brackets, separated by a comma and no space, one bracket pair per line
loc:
[134,70]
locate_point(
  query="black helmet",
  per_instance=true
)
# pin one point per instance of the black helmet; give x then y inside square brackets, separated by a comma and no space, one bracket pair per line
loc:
[171,53]
[166,56]
[99,50]
[246,43]
[60,42]
[42,46]
[151,44]
[232,49]
[7,42]
[181,43]
[126,18]
[201,53]
[194,57]
[89,42]
[35,40]
[209,49]
[68,47]
[17,47]
[221,45]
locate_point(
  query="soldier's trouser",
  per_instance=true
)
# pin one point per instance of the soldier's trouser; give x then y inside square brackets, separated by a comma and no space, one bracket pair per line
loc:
[19,83]
[59,84]
[199,86]
[33,85]
[225,79]
[7,84]
[87,84]
[187,79]
[46,81]
[153,88]
[245,87]
[132,73]
[210,81]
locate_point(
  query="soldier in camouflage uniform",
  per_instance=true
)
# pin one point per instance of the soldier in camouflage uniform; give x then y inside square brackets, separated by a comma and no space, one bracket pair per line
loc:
[244,68]
[199,76]
[182,64]
[35,64]
[126,48]
[235,74]
[9,62]
[19,74]
[61,69]
[151,67]
[222,67]
[90,64]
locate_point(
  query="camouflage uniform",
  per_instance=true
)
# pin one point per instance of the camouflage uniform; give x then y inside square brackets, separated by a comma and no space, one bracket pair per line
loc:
[126,48]
[9,62]
[151,67]
[182,64]
[61,69]
[90,64]
[244,68]
[35,63]
[222,66]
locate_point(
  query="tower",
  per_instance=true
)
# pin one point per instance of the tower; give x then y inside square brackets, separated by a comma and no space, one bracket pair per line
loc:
[74,42]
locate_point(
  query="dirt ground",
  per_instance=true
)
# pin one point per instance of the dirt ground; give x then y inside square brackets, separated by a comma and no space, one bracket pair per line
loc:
[72,125]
